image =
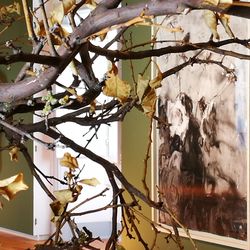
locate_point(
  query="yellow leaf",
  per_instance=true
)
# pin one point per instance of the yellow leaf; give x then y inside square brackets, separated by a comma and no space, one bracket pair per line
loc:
[142,85]
[57,14]
[140,20]
[30,72]
[156,82]
[211,21]
[224,19]
[210,2]
[220,3]
[71,91]
[14,153]
[92,107]
[8,9]
[73,68]
[90,4]
[91,182]
[69,161]
[15,8]
[64,100]
[103,36]
[148,102]
[11,186]
[120,247]
[116,87]
[64,196]
[68,6]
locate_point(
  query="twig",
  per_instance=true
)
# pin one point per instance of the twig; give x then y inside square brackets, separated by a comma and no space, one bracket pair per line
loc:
[210,45]
[24,134]
[28,20]
[46,26]
[118,35]
[147,157]
[111,244]
[33,171]
[87,200]
[50,177]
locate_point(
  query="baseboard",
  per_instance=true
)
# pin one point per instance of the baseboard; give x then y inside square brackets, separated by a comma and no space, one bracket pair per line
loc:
[100,229]
[24,235]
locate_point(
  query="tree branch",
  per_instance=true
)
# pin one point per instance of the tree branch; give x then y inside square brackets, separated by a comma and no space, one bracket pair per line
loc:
[32,58]
[210,45]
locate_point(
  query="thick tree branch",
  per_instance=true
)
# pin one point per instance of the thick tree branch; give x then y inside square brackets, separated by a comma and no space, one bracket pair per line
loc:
[32,58]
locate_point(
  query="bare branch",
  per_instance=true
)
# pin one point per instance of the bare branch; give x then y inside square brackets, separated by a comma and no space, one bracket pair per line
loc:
[32,58]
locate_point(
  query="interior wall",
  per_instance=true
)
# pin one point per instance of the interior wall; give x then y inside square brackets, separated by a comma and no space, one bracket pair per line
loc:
[17,214]
[134,140]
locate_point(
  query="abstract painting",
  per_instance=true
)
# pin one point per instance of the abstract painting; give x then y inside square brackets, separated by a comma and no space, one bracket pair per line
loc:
[201,143]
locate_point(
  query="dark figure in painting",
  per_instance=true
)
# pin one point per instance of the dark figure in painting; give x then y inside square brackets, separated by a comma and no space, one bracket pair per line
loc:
[189,176]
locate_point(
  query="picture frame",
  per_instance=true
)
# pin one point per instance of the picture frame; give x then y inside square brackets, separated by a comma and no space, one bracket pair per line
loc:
[200,152]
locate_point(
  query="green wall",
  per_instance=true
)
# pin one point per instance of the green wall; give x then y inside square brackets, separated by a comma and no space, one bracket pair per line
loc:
[17,214]
[134,140]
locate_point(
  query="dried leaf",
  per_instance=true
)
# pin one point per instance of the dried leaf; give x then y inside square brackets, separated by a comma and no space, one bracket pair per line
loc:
[91,182]
[140,20]
[73,68]
[91,4]
[68,6]
[64,100]
[64,196]
[142,85]
[79,98]
[119,247]
[92,107]
[8,9]
[57,14]
[156,82]
[57,208]
[211,21]
[11,186]
[220,3]
[103,36]
[148,102]
[39,27]
[72,91]
[224,19]
[30,72]
[116,87]
[14,153]
[210,2]
[69,161]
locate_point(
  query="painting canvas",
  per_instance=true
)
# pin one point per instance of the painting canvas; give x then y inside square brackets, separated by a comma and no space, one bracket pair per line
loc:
[201,144]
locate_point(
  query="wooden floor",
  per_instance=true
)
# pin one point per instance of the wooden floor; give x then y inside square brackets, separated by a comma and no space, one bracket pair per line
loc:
[13,242]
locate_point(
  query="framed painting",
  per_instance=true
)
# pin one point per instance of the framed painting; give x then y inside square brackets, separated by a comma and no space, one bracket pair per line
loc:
[201,146]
